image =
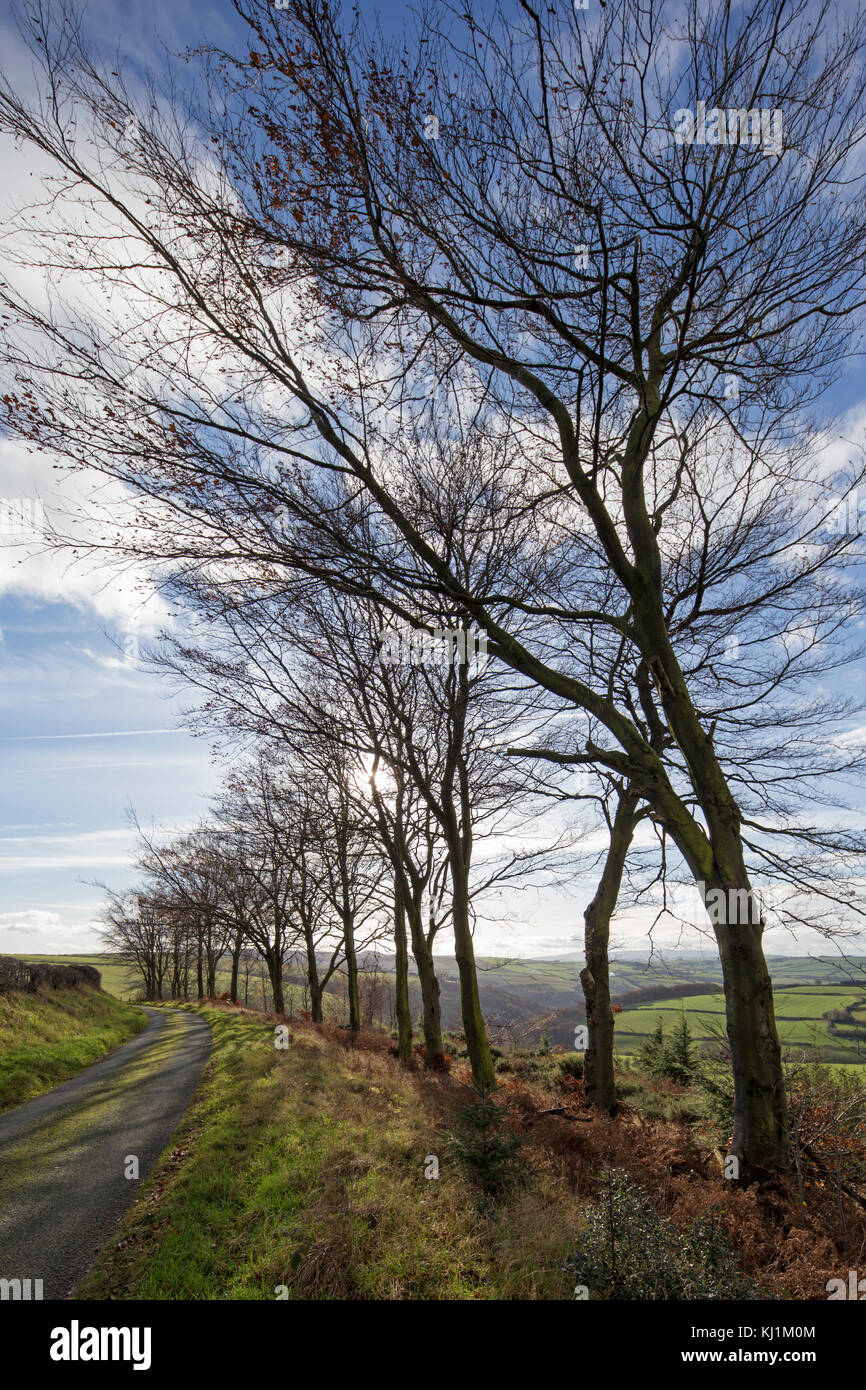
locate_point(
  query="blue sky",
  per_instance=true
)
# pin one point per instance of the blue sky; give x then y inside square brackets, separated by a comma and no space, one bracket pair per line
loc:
[85,731]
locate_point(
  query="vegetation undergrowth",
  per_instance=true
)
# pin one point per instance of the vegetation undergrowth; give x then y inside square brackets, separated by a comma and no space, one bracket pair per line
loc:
[630,1250]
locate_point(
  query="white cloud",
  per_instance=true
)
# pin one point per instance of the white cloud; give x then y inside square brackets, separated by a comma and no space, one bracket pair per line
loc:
[82,505]
[30,922]
[38,931]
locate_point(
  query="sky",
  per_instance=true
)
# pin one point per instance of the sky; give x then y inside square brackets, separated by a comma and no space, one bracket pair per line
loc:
[87,734]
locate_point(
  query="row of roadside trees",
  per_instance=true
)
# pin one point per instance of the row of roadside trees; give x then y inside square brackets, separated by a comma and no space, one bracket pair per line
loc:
[451,332]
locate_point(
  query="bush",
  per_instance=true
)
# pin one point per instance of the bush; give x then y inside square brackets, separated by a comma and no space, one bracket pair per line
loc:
[680,1064]
[14,975]
[487,1148]
[827,1118]
[716,1085]
[529,1066]
[670,1059]
[30,976]
[629,1250]
[571,1065]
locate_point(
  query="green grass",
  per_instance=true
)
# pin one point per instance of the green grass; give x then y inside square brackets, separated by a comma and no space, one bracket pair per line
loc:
[799,1018]
[48,1036]
[303,1169]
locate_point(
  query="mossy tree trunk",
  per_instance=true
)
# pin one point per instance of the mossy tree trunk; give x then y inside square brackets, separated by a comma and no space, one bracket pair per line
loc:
[431,1007]
[474,1027]
[716,857]
[401,984]
[599,1083]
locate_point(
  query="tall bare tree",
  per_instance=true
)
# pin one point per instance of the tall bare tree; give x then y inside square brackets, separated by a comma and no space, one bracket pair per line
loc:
[523,206]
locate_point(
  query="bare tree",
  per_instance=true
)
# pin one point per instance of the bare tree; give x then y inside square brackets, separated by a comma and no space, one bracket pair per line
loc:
[138,933]
[595,279]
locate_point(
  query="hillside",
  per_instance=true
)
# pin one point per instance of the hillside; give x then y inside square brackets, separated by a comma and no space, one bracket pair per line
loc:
[327,1171]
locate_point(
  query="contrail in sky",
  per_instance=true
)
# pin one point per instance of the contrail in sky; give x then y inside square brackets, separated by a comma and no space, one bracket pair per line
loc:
[115,733]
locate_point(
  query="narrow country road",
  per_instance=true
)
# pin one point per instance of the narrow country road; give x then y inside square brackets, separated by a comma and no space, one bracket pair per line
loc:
[63,1155]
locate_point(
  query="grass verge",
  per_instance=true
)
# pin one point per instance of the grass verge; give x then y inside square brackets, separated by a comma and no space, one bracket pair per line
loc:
[48,1036]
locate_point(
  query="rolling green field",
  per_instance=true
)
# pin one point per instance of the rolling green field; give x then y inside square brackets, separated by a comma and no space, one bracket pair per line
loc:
[799,1018]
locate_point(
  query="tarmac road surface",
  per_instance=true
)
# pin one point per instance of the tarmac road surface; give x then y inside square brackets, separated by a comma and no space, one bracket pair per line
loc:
[63,1155]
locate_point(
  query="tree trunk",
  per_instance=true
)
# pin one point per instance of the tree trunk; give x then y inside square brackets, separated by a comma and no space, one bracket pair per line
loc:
[412,892]
[401,988]
[598,1078]
[431,1008]
[236,963]
[275,974]
[352,974]
[316,1013]
[313,974]
[474,1028]
[760,1137]
[760,1140]
[348,919]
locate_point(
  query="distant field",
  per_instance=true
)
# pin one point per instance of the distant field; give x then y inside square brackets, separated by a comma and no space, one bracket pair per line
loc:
[799,1017]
